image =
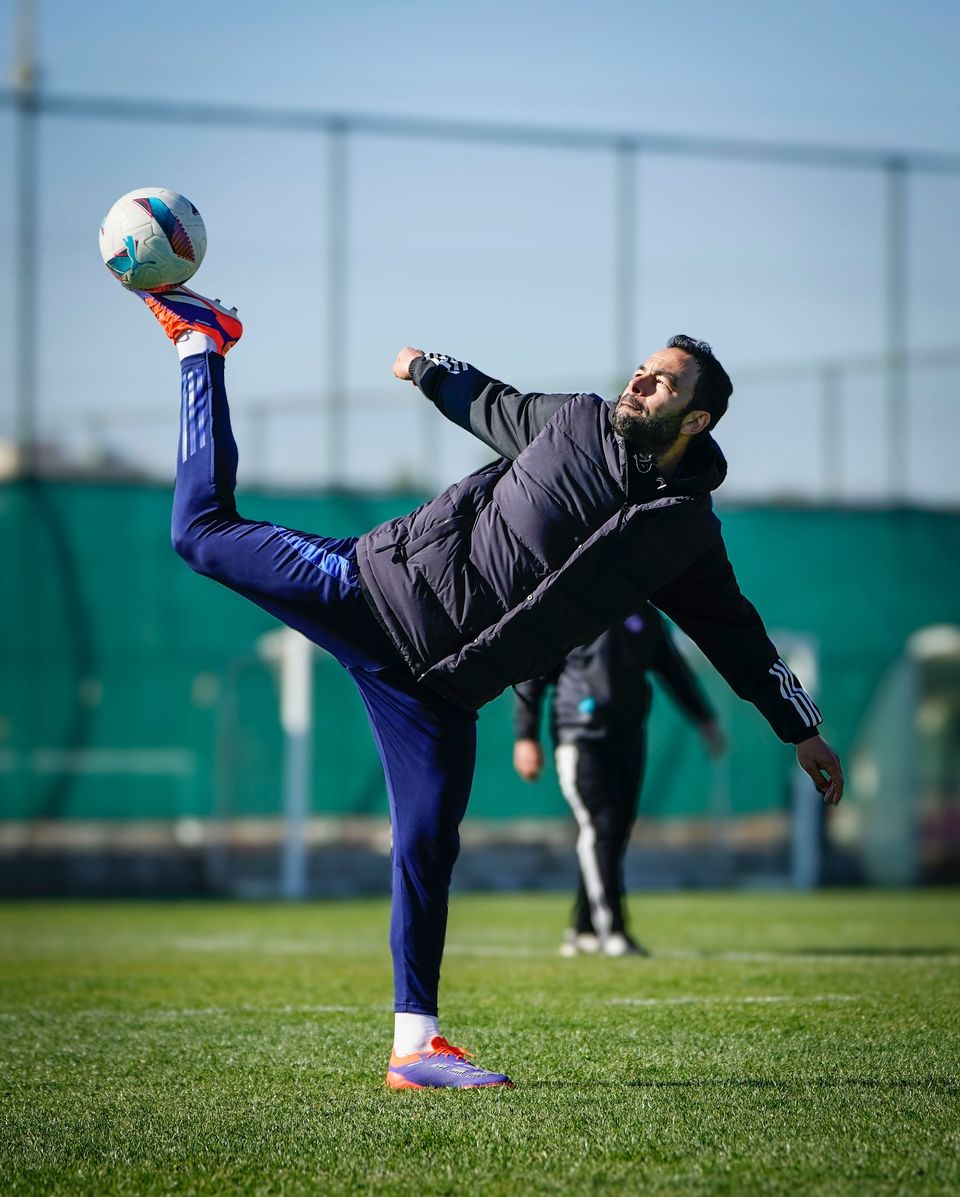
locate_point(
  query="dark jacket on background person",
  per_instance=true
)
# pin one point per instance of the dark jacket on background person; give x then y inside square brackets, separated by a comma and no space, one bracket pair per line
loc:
[602,692]
[495,580]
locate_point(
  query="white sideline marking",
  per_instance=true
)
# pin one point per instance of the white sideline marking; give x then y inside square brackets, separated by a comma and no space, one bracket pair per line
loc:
[187,1012]
[761,999]
[213,943]
[808,957]
[175,1012]
[275,947]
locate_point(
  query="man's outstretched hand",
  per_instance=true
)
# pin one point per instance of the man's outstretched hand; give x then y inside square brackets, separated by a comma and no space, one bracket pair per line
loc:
[713,739]
[822,765]
[401,367]
[528,759]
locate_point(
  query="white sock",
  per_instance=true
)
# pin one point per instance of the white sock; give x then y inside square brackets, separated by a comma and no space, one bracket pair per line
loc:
[193,342]
[413,1032]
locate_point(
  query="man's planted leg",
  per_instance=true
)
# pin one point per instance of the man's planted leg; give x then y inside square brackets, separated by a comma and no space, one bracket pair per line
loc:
[428,750]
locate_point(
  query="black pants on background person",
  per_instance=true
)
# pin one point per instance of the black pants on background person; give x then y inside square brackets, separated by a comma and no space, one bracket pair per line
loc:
[600,698]
[603,790]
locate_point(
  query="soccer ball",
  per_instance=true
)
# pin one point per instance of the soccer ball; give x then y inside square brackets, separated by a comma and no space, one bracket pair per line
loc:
[153,239]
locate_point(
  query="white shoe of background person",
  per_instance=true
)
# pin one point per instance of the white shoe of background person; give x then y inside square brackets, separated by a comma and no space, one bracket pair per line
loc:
[580,943]
[620,944]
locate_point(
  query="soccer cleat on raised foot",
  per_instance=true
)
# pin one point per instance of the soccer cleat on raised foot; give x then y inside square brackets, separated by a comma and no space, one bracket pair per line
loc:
[440,1066]
[182,311]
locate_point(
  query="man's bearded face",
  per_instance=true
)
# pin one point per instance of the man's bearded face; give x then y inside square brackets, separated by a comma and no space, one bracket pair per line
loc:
[650,434]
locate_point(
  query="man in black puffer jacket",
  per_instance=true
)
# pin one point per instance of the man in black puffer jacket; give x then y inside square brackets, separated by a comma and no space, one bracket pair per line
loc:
[600,698]
[590,510]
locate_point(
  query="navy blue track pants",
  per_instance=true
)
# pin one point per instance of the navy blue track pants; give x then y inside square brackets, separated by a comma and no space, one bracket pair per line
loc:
[312,584]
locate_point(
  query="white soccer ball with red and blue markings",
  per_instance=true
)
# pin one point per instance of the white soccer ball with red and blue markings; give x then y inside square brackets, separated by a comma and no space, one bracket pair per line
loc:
[153,239]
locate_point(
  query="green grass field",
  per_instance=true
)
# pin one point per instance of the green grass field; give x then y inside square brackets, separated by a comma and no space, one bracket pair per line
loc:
[774,1044]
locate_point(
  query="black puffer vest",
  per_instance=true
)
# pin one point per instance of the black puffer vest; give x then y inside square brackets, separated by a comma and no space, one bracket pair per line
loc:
[500,576]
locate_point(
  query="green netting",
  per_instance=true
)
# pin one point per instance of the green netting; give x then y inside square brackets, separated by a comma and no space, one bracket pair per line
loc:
[132,688]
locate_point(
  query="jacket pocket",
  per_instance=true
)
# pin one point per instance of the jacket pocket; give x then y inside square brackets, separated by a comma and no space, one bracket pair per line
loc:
[439,531]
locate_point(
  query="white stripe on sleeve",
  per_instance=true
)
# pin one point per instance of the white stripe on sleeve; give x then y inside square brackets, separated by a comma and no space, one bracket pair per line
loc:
[792,691]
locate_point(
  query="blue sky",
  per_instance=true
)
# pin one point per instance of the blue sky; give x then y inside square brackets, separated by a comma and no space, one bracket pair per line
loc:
[862,72]
[505,256]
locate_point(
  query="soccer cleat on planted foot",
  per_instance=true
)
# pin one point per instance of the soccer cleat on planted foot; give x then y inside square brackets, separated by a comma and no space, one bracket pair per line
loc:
[441,1066]
[182,311]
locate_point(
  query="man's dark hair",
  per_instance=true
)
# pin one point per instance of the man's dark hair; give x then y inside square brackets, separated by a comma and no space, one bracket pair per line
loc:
[713,388]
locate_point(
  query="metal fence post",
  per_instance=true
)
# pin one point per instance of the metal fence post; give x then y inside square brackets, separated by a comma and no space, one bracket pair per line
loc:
[831,429]
[25,305]
[337,289]
[624,257]
[895,181]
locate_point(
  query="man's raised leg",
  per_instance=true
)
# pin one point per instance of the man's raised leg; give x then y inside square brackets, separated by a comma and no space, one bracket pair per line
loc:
[309,582]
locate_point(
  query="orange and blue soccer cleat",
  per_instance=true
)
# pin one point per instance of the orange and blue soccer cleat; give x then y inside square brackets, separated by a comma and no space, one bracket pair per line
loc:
[441,1066]
[182,311]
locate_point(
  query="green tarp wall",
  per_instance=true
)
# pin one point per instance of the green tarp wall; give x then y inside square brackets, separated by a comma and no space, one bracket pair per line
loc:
[131,688]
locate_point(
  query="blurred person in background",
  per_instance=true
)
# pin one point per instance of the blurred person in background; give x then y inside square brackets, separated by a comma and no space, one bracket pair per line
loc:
[598,710]
[590,509]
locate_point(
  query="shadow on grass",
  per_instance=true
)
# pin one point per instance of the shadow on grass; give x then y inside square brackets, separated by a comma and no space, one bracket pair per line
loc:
[940,1084]
[949,1083]
[867,952]
[836,951]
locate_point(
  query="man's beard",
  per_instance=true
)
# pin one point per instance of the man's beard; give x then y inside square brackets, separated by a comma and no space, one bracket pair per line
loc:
[650,435]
